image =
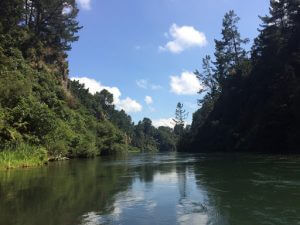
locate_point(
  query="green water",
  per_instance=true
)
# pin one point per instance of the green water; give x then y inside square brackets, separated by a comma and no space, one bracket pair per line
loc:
[162,189]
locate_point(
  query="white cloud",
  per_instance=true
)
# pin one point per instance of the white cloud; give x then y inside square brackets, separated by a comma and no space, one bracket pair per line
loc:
[186,84]
[148,100]
[128,105]
[155,87]
[85,4]
[183,38]
[165,122]
[143,83]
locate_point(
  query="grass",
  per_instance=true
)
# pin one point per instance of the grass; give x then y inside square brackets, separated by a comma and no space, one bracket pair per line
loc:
[22,156]
[25,155]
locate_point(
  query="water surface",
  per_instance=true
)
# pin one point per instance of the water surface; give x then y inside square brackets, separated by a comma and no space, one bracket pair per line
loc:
[150,189]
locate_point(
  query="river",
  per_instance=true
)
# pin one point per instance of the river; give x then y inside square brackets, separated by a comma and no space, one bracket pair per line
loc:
[150,189]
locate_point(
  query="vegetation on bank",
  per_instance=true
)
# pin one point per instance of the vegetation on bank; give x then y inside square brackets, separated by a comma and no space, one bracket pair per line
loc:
[42,113]
[23,156]
[252,100]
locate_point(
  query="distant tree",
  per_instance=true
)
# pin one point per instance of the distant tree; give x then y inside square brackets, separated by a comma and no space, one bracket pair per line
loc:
[148,128]
[180,117]
[123,121]
[105,99]
[166,139]
[180,114]
[144,136]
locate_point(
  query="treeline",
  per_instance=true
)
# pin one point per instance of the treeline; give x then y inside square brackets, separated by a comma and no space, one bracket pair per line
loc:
[141,137]
[42,113]
[252,98]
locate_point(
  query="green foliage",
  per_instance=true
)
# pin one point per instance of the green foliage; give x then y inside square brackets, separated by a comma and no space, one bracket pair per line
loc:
[180,117]
[84,146]
[24,155]
[167,139]
[150,139]
[42,113]
[52,23]
[32,118]
[35,109]
[229,53]
[257,105]
[144,136]
[112,140]
[122,121]
[58,140]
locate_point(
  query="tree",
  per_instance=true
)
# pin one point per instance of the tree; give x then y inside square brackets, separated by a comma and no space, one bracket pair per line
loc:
[209,80]
[53,22]
[270,41]
[144,136]
[180,117]
[260,111]
[278,30]
[122,121]
[11,13]
[211,86]
[229,54]
[166,138]
[148,128]
[41,29]
[104,100]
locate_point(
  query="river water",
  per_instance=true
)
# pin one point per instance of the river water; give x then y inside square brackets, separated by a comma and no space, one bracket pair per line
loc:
[150,189]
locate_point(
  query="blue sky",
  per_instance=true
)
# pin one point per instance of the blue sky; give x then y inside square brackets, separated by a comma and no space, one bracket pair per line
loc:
[144,51]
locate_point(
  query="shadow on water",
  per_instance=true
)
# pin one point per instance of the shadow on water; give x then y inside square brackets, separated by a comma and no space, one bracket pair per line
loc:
[151,189]
[246,189]
[59,193]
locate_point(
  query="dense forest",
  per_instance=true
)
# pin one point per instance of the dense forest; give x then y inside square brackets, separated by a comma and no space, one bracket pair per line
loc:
[252,98]
[43,114]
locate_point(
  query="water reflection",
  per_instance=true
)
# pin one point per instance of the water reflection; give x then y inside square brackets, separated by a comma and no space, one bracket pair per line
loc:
[164,191]
[155,189]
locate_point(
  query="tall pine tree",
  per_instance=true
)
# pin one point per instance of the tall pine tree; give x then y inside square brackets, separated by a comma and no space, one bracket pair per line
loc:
[229,54]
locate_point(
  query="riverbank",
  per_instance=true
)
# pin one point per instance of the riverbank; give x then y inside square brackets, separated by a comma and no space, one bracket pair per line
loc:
[25,156]
[22,157]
